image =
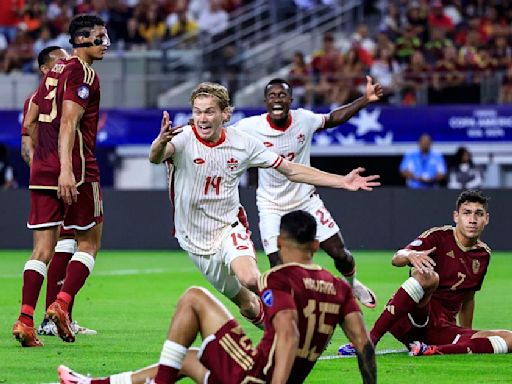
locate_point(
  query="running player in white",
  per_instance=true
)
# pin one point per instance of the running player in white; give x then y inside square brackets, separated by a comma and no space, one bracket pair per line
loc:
[289,133]
[205,164]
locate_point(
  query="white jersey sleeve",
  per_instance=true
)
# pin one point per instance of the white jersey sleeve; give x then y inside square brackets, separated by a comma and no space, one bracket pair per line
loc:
[310,119]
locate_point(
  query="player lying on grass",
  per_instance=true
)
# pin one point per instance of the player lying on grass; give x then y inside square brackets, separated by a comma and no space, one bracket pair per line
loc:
[448,266]
[303,303]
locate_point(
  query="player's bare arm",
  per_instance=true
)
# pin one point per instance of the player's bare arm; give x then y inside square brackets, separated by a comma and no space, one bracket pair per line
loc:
[467,310]
[418,259]
[342,114]
[353,181]
[161,147]
[353,326]
[27,149]
[30,120]
[70,120]
[287,333]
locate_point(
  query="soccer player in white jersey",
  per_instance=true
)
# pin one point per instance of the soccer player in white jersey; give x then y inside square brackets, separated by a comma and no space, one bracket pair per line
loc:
[206,162]
[289,133]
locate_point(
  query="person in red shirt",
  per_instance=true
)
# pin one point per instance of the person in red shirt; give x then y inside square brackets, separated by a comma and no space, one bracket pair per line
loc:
[303,304]
[64,176]
[448,267]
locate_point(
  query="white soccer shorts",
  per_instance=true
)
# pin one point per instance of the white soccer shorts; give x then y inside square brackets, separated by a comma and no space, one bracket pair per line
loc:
[326,227]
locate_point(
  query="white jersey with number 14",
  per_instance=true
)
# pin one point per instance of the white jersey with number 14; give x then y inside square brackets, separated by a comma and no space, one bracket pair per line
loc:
[204,180]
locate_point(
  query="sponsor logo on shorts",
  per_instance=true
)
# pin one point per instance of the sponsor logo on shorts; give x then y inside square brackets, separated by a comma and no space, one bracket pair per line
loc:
[416,243]
[83,92]
[199,161]
[267,298]
[268,144]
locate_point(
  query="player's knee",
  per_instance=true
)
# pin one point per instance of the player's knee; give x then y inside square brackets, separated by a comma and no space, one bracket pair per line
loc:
[42,254]
[428,281]
[192,296]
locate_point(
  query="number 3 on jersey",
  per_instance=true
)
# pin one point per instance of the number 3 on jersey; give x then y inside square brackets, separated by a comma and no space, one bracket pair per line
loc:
[212,183]
[50,82]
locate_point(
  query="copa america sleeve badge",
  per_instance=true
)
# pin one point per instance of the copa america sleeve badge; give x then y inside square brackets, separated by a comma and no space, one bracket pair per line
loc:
[83,92]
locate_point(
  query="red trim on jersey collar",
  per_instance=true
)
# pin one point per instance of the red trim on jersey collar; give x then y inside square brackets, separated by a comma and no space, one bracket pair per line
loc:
[222,137]
[282,129]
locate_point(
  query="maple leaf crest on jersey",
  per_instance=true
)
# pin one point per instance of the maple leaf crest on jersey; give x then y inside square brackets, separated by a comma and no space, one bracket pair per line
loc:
[301,138]
[232,164]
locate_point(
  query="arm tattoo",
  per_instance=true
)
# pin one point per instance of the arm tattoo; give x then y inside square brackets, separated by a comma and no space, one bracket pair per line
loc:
[25,154]
[367,366]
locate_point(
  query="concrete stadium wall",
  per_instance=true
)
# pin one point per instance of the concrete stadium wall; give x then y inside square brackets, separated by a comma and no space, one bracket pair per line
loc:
[387,218]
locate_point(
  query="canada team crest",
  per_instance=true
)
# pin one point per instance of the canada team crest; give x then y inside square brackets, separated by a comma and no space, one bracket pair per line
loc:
[301,138]
[232,164]
[476,266]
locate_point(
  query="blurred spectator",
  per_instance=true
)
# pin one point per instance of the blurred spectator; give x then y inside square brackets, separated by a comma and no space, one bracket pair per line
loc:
[6,172]
[447,72]
[417,17]
[386,71]
[391,23]
[44,40]
[362,39]
[434,48]
[133,40]
[423,168]
[464,174]
[406,44]
[501,51]
[19,55]
[184,26]
[299,77]
[32,20]
[117,26]
[213,19]
[350,79]
[416,78]
[10,15]
[325,64]
[506,88]
[152,27]
[438,19]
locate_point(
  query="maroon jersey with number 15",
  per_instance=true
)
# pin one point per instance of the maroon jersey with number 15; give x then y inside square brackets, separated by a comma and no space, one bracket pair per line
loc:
[321,300]
[460,269]
[69,79]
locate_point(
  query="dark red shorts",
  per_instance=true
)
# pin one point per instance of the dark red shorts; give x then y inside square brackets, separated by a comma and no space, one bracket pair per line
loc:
[231,357]
[46,210]
[438,331]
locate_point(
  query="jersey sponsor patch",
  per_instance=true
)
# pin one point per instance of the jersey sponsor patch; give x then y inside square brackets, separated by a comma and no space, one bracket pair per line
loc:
[416,243]
[267,298]
[83,92]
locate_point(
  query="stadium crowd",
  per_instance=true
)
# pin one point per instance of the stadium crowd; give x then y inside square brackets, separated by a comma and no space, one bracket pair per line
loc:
[444,48]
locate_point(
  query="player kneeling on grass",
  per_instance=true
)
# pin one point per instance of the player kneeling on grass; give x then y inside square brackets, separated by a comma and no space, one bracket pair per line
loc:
[303,303]
[448,266]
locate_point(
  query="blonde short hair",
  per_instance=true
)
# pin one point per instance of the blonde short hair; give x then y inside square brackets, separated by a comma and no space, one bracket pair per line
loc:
[212,89]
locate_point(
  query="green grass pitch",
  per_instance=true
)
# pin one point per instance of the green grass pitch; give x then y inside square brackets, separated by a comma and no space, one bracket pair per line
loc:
[130,298]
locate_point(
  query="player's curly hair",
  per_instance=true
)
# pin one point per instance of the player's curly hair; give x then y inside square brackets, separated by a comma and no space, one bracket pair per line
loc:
[212,89]
[472,196]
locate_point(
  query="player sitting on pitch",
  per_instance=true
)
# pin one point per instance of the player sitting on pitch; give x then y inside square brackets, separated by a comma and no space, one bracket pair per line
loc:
[303,303]
[448,266]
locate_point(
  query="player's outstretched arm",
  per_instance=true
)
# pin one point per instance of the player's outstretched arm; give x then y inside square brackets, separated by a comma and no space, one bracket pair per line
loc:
[342,114]
[354,328]
[353,181]
[418,259]
[162,148]
[287,333]
[71,115]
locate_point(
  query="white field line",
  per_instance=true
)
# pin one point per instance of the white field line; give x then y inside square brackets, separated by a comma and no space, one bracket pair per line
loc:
[118,272]
[379,352]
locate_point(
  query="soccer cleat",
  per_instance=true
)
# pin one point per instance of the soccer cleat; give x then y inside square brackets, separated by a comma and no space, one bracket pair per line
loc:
[25,335]
[68,376]
[419,348]
[364,294]
[61,320]
[81,330]
[347,350]
[47,328]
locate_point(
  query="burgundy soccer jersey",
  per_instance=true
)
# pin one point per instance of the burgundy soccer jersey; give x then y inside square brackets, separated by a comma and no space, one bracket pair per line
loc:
[322,301]
[70,79]
[460,269]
